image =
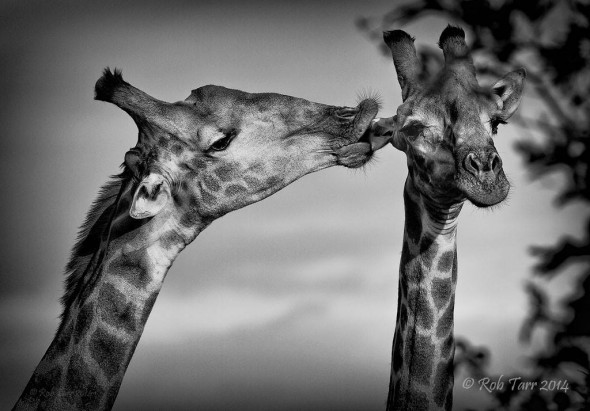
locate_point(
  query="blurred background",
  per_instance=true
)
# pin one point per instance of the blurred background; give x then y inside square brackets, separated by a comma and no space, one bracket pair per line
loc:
[289,303]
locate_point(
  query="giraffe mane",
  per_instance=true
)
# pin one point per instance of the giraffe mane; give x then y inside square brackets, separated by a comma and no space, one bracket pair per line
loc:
[89,238]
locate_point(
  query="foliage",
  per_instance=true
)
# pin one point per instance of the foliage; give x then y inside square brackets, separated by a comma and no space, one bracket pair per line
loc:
[551,39]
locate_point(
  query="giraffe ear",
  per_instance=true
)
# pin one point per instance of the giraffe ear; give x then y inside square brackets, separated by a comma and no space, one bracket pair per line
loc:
[151,196]
[507,92]
[383,131]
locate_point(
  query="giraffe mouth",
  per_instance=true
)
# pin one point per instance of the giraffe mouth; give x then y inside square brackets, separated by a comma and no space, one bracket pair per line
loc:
[359,151]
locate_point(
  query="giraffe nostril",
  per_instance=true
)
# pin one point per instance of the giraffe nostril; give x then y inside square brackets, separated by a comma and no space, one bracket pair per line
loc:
[496,163]
[472,164]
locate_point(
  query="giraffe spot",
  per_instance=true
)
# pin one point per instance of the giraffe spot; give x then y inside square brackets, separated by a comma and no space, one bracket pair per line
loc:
[81,387]
[190,176]
[423,312]
[84,319]
[224,173]
[199,163]
[403,317]
[413,225]
[207,198]
[114,309]
[62,341]
[211,183]
[189,219]
[147,308]
[256,168]
[177,148]
[183,184]
[132,266]
[417,400]
[449,400]
[420,350]
[193,201]
[40,387]
[445,323]
[441,291]
[252,182]
[454,274]
[163,142]
[443,382]
[179,199]
[428,251]
[235,189]
[447,349]
[274,181]
[445,263]
[398,356]
[111,396]
[109,352]
[169,239]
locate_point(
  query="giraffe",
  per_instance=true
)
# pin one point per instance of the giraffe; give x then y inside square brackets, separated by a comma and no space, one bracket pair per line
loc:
[195,160]
[445,128]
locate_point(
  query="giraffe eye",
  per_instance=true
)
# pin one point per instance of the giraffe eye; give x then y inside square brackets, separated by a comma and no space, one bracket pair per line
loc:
[223,142]
[413,130]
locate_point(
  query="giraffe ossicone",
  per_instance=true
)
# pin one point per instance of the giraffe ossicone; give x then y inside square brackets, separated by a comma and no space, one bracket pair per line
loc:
[195,160]
[445,127]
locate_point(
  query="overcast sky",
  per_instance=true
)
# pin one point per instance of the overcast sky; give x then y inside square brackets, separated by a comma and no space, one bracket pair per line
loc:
[288,303]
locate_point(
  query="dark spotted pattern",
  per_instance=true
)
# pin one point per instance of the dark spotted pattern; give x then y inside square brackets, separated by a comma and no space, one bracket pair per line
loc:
[441,292]
[210,182]
[224,173]
[421,365]
[82,390]
[425,320]
[207,198]
[41,386]
[443,382]
[417,400]
[445,323]
[447,349]
[398,354]
[114,309]
[85,318]
[428,251]
[274,181]
[132,266]
[445,263]
[413,219]
[108,351]
[235,190]
[423,312]
[147,308]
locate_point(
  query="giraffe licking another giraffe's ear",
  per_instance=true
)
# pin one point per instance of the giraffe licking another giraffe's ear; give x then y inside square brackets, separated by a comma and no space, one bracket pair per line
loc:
[194,161]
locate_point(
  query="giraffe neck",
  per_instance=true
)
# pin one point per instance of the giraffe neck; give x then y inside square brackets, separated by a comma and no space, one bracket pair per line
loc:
[423,348]
[86,361]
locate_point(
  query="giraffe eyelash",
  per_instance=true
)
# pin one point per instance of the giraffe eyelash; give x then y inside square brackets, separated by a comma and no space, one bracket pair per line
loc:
[495,122]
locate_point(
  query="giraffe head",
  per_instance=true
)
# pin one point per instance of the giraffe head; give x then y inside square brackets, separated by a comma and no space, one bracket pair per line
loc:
[222,149]
[446,126]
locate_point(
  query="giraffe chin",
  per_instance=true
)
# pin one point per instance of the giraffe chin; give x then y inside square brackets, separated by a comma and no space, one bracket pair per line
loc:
[354,155]
[486,194]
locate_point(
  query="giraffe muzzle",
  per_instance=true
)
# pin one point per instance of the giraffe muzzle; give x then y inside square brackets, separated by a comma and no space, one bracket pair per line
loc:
[482,178]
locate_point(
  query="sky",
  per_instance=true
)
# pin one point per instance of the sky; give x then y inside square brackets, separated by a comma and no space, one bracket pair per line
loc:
[288,303]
